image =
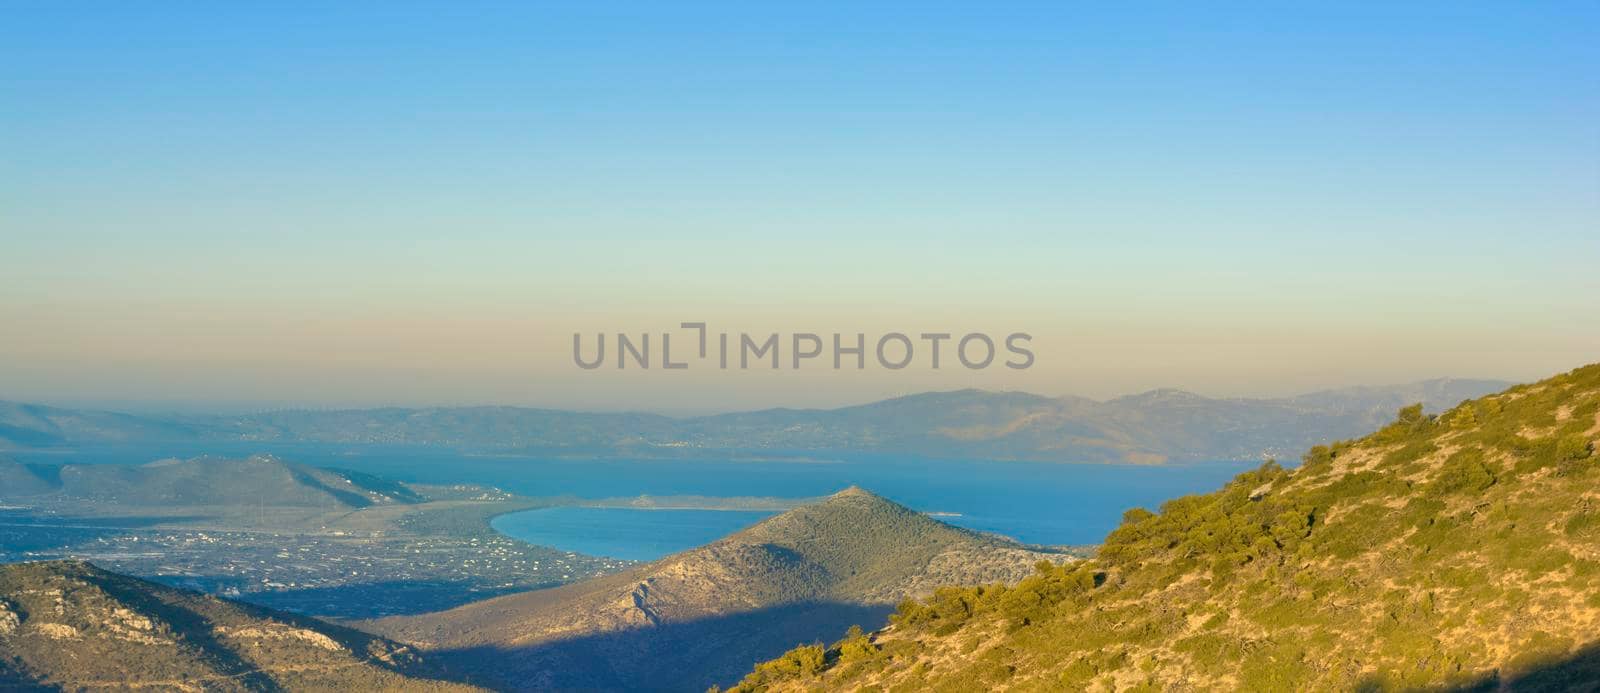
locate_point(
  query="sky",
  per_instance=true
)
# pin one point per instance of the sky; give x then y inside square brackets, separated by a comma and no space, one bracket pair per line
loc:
[350,204]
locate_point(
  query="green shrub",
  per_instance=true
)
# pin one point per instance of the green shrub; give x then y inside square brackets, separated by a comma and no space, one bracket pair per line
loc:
[1574,447]
[802,661]
[1464,472]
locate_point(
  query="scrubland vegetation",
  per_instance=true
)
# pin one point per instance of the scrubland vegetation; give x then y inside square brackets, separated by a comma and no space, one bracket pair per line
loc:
[1461,550]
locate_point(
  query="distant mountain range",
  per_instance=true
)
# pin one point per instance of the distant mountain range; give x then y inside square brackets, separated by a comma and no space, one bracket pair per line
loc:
[1149,428]
[66,625]
[701,617]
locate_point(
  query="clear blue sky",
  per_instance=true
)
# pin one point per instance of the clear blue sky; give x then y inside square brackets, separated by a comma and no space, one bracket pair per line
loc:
[414,203]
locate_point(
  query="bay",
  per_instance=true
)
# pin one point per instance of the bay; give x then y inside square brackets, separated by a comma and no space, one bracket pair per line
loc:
[1033,502]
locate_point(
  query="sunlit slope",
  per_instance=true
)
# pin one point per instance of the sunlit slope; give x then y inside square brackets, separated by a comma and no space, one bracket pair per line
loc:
[1454,551]
[69,625]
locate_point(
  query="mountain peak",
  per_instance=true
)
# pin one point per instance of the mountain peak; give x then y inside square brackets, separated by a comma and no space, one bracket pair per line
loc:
[1165,394]
[837,521]
[815,569]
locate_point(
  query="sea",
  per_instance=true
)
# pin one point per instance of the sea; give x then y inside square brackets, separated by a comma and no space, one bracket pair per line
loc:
[1042,503]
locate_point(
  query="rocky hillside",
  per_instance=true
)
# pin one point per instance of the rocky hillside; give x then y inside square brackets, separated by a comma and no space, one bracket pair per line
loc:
[704,616]
[202,481]
[68,625]
[1457,551]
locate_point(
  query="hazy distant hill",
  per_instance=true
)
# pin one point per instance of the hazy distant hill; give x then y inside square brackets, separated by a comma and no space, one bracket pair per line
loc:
[1458,552]
[704,616]
[1153,427]
[24,425]
[203,481]
[69,625]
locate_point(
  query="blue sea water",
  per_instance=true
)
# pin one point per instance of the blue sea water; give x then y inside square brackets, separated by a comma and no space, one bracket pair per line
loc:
[1042,503]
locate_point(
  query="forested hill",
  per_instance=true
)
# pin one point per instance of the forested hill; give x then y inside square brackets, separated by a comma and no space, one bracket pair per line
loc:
[1461,550]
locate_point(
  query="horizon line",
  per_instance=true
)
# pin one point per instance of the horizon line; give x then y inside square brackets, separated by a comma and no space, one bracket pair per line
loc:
[200,406]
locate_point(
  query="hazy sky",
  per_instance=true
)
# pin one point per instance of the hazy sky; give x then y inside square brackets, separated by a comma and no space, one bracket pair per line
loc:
[373,203]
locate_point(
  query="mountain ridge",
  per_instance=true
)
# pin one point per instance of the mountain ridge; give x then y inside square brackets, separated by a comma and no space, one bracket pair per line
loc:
[843,560]
[1152,427]
[68,624]
[207,480]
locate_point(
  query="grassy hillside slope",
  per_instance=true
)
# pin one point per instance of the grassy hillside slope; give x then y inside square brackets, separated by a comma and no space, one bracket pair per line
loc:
[1458,551]
[69,625]
[704,616]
